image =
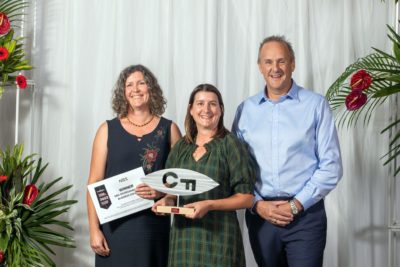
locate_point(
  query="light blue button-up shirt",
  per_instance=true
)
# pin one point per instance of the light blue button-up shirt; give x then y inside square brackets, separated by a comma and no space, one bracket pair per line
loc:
[294,142]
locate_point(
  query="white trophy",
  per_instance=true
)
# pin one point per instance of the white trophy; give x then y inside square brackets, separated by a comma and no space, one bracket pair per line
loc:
[179,182]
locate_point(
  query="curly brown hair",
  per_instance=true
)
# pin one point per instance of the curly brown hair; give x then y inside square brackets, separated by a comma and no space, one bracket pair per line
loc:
[190,124]
[157,102]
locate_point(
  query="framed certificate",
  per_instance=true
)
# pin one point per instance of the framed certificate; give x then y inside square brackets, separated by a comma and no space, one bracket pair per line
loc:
[115,197]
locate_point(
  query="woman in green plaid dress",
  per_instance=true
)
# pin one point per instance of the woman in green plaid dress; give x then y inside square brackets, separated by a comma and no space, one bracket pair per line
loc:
[211,236]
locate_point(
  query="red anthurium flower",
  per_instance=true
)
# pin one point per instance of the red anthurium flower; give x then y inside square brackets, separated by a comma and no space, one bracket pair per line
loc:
[21,81]
[360,80]
[2,258]
[355,100]
[3,53]
[30,194]
[3,178]
[4,23]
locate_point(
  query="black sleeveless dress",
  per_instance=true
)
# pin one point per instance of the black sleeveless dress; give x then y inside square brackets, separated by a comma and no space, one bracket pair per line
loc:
[140,239]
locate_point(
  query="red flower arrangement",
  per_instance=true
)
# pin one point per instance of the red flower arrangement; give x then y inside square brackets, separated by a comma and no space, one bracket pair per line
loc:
[29,210]
[4,23]
[3,53]
[355,100]
[30,194]
[12,54]
[21,81]
[361,80]
[363,94]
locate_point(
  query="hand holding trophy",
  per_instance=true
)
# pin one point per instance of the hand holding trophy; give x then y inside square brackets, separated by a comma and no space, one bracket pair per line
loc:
[179,182]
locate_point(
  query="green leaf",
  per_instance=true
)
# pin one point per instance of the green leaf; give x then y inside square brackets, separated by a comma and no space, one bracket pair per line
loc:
[63,224]
[394,139]
[4,239]
[42,190]
[23,67]
[38,171]
[55,206]
[387,91]
[46,247]
[52,239]
[392,154]
[42,219]
[8,37]
[56,193]
[396,51]
[393,78]
[10,46]
[391,125]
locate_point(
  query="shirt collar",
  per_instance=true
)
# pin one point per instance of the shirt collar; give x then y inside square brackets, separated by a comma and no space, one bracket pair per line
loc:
[292,94]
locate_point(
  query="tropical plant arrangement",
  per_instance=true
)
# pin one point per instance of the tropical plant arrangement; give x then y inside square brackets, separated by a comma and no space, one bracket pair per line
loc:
[12,53]
[29,211]
[374,79]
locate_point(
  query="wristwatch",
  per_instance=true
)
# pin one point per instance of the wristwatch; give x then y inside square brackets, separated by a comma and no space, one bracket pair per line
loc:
[293,206]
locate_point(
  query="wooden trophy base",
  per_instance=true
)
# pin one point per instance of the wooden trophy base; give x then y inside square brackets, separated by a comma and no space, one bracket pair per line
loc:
[175,210]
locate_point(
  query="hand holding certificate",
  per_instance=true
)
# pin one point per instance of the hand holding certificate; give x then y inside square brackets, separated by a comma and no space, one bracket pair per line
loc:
[115,197]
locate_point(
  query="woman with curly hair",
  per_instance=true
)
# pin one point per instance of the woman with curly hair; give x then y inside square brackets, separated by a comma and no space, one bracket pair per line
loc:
[138,137]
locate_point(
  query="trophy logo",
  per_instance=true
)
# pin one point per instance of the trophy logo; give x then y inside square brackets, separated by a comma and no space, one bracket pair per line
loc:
[179,182]
[102,197]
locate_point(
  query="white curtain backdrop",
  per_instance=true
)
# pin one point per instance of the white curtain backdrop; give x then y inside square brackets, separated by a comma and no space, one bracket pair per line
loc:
[79,47]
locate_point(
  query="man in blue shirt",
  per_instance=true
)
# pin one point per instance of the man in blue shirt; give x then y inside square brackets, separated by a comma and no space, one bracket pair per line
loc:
[291,134]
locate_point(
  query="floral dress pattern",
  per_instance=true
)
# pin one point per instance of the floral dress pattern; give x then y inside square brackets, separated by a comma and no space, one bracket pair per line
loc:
[151,151]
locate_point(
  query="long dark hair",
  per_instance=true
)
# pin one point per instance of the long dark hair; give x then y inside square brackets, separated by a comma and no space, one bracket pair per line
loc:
[190,124]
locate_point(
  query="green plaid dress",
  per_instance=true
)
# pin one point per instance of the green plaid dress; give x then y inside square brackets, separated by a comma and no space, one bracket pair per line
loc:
[214,240]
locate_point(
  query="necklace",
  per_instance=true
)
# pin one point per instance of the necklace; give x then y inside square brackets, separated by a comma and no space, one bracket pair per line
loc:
[140,125]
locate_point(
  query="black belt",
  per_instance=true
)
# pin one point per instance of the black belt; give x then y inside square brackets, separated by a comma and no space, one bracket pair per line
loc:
[277,198]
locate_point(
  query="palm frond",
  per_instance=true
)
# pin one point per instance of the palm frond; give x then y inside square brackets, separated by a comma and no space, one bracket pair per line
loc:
[385,72]
[12,8]
[27,231]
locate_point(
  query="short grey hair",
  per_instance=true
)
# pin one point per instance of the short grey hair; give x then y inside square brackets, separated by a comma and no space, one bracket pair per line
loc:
[276,38]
